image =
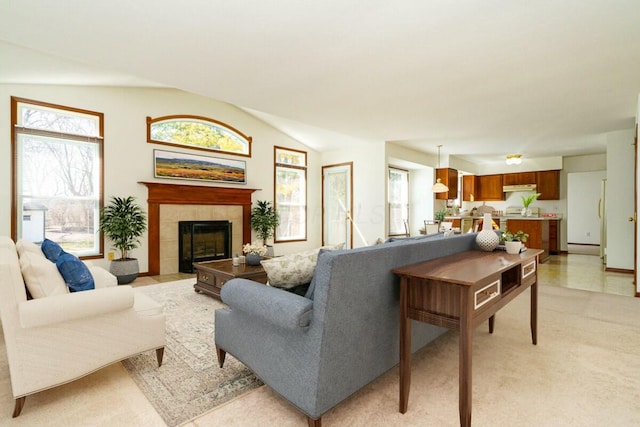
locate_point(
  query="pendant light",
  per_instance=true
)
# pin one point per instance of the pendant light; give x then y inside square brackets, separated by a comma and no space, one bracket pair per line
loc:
[439,187]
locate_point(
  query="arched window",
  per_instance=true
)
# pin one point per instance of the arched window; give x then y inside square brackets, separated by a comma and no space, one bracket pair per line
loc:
[198,132]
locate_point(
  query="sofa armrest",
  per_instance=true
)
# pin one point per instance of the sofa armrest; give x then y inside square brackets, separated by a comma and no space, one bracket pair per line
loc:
[74,306]
[273,305]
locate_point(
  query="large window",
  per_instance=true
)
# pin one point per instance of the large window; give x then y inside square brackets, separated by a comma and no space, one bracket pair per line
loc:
[57,175]
[398,202]
[291,194]
[197,132]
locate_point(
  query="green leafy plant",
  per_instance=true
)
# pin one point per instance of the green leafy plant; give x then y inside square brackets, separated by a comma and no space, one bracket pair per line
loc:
[123,222]
[527,200]
[439,215]
[264,220]
[518,236]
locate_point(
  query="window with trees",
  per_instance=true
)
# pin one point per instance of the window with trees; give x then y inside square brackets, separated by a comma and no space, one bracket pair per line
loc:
[291,194]
[398,201]
[57,175]
[197,132]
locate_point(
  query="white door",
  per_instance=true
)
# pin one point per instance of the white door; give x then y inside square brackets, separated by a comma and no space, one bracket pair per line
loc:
[336,204]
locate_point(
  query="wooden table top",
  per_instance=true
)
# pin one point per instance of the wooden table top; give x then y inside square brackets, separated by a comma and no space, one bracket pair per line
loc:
[226,266]
[466,268]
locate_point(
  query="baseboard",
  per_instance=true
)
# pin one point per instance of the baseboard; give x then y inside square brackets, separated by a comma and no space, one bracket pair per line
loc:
[618,270]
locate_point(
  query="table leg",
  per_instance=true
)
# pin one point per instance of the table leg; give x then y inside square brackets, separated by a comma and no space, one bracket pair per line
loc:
[534,312]
[405,346]
[492,320]
[466,345]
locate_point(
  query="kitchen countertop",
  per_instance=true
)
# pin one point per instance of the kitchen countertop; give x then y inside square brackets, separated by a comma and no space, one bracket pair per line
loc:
[506,218]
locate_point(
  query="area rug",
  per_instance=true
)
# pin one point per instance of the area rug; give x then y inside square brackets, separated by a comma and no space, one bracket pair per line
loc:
[189,382]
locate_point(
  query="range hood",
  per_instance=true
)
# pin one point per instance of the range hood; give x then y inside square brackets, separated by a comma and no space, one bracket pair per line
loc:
[519,187]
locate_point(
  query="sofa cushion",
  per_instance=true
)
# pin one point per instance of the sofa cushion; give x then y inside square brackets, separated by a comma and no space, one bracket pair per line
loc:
[51,250]
[291,270]
[23,246]
[75,273]
[41,276]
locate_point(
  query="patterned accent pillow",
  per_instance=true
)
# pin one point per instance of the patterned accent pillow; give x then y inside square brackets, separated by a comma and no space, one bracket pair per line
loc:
[288,271]
[75,273]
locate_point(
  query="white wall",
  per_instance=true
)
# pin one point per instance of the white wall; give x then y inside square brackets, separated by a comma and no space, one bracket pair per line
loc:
[583,223]
[128,158]
[620,199]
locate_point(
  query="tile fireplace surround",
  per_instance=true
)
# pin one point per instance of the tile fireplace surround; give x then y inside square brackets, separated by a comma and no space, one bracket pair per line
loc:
[170,203]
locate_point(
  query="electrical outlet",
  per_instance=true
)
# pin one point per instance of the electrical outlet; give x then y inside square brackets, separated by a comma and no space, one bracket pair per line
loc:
[111,256]
[588,234]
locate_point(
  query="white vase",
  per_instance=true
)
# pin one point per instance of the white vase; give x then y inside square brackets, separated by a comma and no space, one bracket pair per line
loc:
[526,212]
[487,239]
[513,247]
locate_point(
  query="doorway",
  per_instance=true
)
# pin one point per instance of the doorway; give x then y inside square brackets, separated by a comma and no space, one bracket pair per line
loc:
[337,204]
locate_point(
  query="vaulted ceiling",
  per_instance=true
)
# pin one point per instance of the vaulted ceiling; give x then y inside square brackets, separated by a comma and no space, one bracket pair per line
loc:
[481,77]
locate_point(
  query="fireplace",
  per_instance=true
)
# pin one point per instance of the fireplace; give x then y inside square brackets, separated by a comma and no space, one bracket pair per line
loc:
[202,241]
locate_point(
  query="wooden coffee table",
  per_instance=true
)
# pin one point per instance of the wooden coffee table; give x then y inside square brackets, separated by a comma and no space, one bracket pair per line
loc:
[212,275]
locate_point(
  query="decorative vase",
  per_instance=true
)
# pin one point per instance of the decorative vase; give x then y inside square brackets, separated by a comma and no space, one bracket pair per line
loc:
[513,247]
[526,212]
[253,259]
[487,239]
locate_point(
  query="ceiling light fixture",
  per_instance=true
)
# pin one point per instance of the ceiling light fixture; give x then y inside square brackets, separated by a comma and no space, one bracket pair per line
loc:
[439,187]
[514,159]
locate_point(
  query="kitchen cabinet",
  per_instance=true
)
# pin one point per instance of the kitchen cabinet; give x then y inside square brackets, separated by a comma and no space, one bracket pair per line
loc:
[448,177]
[548,184]
[489,188]
[519,178]
[468,188]
[554,239]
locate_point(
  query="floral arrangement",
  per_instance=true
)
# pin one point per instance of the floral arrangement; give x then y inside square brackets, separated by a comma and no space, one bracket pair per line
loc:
[254,248]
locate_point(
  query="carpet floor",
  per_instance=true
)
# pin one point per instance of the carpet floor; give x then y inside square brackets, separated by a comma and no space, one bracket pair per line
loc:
[585,371]
[189,382]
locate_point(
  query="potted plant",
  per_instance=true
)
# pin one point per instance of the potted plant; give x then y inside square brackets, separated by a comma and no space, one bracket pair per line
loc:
[513,241]
[123,222]
[264,220]
[254,252]
[526,201]
[439,215]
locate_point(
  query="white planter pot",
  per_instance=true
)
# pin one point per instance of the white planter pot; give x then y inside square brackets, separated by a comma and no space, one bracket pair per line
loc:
[513,247]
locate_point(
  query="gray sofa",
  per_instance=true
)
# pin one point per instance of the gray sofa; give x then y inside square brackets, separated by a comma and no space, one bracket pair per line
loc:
[318,349]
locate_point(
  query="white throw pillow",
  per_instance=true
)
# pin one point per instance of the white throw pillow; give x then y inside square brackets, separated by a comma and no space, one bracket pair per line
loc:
[23,246]
[41,276]
[288,271]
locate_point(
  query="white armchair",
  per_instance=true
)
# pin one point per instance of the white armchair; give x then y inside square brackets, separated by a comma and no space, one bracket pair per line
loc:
[57,339]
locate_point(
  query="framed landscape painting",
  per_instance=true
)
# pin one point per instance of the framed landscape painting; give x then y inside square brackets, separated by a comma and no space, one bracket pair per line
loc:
[168,164]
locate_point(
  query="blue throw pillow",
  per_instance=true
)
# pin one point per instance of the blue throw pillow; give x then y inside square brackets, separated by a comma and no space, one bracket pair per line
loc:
[51,250]
[75,273]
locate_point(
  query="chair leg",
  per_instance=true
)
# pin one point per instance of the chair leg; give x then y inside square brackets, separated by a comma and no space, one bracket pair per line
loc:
[159,355]
[221,355]
[314,423]
[19,405]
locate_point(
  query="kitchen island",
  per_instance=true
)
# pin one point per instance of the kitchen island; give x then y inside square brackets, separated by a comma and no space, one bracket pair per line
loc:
[543,231]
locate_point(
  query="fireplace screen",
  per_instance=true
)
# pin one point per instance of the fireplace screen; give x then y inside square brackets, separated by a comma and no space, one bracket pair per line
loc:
[203,241]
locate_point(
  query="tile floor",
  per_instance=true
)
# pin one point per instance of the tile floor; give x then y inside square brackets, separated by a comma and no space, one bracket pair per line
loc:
[586,272]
